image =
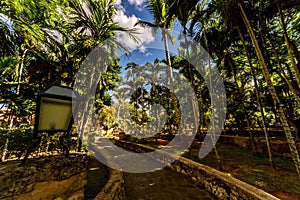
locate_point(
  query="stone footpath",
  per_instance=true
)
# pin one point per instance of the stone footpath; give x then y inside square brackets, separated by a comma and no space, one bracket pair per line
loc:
[162,185]
[220,184]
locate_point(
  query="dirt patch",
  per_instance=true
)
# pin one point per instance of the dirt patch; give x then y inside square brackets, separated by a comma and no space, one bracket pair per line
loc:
[285,195]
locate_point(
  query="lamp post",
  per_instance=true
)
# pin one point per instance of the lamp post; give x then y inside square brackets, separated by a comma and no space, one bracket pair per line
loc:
[53,114]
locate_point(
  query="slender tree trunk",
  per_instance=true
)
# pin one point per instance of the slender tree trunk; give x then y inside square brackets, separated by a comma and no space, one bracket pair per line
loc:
[264,122]
[193,97]
[241,97]
[210,89]
[201,114]
[83,119]
[295,92]
[40,147]
[20,72]
[295,51]
[213,135]
[47,147]
[5,150]
[165,39]
[288,43]
[81,130]
[158,125]
[274,95]
[258,98]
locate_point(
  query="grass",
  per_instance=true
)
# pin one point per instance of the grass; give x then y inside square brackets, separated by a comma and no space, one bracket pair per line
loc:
[254,169]
[282,181]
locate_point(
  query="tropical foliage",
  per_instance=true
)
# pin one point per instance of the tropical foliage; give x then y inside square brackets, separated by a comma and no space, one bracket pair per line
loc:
[255,45]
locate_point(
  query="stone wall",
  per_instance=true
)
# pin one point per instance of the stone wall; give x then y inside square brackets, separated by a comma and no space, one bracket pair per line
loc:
[222,185]
[53,177]
[114,189]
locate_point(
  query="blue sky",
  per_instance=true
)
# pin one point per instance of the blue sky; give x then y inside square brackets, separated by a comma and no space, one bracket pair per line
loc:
[151,45]
[135,9]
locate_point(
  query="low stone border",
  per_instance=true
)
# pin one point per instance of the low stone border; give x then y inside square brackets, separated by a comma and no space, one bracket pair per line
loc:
[220,184]
[55,177]
[114,188]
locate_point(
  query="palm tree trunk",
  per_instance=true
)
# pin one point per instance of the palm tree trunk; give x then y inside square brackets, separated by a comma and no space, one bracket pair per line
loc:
[212,136]
[193,97]
[258,98]
[85,108]
[40,147]
[272,90]
[288,43]
[165,39]
[5,150]
[21,72]
[253,146]
[295,92]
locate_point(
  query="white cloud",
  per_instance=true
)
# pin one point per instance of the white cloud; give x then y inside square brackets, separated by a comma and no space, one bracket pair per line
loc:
[142,49]
[149,54]
[143,34]
[138,4]
[118,4]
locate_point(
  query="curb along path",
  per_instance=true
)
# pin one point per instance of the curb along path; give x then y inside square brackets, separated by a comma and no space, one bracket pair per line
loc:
[159,185]
[220,184]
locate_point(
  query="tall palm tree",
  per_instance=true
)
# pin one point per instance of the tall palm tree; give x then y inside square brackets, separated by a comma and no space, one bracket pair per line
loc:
[258,98]
[163,21]
[278,105]
[93,22]
[233,14]
[152,72]
[282,72]
[242,97]
[288,43]
[183,10]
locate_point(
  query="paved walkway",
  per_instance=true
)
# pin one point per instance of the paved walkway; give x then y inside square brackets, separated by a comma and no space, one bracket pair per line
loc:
[163,184]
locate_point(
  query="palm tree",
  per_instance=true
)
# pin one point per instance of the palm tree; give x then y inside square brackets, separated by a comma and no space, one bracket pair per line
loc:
[230,12]
[258,98]
[93,23]
[278,105]
[242,97]
[163,21]
[120,96]
[282,72]
[152,72]
[183,10]
[288,43]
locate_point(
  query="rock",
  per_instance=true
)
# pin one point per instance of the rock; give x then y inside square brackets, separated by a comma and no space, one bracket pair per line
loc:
[56,177]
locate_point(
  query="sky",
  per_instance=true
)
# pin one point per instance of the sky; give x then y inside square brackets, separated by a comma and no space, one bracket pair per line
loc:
[150,47]
[129,12]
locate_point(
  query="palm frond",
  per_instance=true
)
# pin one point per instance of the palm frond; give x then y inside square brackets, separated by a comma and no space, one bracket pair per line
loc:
[145,24]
